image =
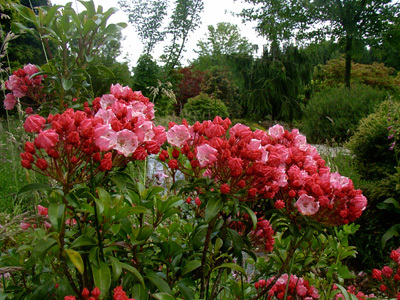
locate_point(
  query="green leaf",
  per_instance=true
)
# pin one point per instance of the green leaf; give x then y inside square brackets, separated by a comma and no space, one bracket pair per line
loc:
[185,290]
[26,12]
[145,232]
[213,207]
[178,184]
[42,248]
[116,268]
[391,232]
[102,278]
[232,266]
[344,292]
[237,241]
[89,26]
[67,83]
[163,296]
[199,236]
[56,215]
[251,214]
[160,283]
[94,257]
[108,72]
[20,28]
[76,259]
[83,240]
[191,266]
[134,271]
[31,187]
[140,292]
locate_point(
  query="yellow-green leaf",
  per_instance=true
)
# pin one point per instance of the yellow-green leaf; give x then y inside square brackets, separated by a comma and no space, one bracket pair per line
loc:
[76,259]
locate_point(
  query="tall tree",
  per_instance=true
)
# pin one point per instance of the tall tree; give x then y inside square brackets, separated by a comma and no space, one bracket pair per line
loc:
[224,39]
[347,20]
[221,42]
[147,17]
[185,19]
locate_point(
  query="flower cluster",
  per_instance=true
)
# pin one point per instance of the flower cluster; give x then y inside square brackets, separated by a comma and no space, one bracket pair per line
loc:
[127,126]
[119,294]
[86,294]
[351,289]
[299,288]
[42,211]
[389,278]
[262,237]
[22,85]
[255,165]
[67,144]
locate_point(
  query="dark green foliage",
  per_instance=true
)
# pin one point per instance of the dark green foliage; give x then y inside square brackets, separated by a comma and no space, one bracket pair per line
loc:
[272,85]
[334,113]
[370,145]
[218,83]
[203,107]
[145,74]
[26,48]
[351,21]
[114,71]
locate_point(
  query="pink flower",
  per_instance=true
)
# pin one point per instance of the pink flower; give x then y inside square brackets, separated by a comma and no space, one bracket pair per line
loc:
[307,205]
[206,155]
[276,131]
[34,123]
[159,135]
[178,135]
[24,225]
[30,69]
[107,100]
[10,101]
[105,138]
[127,142]
[43,211]
[46,139]
[69,298]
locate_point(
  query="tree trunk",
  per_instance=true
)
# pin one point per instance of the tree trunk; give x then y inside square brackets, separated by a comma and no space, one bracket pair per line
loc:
[347,70]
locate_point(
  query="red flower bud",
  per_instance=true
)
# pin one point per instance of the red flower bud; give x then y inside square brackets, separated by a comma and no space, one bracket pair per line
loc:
[41,164]
[173,164]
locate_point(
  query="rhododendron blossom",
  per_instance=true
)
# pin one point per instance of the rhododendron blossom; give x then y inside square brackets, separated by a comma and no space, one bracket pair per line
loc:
[307,205]
[70,144]
[298,287]
[206,155]
[21,85]
[178,135]
[267,164]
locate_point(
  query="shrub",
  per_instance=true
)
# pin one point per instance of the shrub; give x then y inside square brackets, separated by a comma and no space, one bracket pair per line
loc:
[370,145]
[375,75]
[203,107]
[335,112]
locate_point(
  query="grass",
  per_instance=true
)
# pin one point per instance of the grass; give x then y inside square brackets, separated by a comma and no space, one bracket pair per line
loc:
[12,176]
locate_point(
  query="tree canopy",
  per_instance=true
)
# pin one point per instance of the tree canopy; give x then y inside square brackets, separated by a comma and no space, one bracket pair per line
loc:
[345,20]
[148,16]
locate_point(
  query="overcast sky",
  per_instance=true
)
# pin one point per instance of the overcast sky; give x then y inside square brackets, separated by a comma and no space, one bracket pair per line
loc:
[215,11]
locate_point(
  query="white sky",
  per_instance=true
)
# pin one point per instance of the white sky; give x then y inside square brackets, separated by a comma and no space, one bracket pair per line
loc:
[215,11]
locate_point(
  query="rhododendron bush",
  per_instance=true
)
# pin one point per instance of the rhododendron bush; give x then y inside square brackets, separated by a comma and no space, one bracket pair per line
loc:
[240,214]
[233,190]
